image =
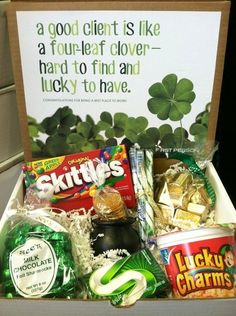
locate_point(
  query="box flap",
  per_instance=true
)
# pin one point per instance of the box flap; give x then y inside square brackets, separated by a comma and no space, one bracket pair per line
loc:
[92,74]
[118,1]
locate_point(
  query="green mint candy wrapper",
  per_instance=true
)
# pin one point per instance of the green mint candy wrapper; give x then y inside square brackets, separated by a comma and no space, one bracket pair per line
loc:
[127,280]
[37,260]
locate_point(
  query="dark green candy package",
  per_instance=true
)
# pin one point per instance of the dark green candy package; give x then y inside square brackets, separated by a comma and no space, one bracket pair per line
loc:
[36,259]
[127,280]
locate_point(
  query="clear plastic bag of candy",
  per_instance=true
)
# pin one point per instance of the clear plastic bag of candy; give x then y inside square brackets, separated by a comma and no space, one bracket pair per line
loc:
[183,193]
[107,201]
[109,204]
[37,259]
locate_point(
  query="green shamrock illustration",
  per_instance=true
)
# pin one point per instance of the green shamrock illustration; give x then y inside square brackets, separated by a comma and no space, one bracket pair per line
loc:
[171,98]
[199,128]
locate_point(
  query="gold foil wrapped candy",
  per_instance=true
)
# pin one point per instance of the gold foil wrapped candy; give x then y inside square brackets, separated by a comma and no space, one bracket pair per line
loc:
[109,204]
[182,198]
[185,219]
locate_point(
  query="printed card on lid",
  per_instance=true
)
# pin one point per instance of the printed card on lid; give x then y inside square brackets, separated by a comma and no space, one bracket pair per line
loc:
[96,74]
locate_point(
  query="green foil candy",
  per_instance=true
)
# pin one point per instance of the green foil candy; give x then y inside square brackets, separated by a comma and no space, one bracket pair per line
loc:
[37,261]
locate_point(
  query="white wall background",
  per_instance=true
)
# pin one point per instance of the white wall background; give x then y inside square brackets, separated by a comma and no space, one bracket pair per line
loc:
[8,180]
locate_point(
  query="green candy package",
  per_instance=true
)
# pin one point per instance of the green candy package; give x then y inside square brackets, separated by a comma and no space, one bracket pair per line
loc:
[127,280]
[36,259]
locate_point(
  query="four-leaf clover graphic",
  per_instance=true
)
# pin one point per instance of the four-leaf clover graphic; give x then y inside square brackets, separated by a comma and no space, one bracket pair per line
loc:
[171,98]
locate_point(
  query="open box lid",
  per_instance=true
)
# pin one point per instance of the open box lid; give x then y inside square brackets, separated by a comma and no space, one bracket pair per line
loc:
[91,74]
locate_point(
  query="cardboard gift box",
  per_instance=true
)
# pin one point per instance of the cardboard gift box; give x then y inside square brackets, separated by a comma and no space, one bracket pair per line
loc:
[117,70]
[220,306]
